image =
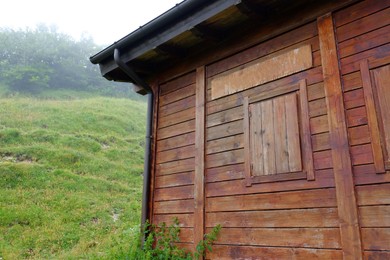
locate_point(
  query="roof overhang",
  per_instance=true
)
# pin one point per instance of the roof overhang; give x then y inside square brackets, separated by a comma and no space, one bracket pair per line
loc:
[197,26]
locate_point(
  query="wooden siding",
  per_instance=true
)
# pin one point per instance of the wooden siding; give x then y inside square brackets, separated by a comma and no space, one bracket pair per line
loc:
[363,33]
[282,218]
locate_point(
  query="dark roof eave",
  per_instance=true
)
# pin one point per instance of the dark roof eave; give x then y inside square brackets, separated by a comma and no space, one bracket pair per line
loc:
[170,16]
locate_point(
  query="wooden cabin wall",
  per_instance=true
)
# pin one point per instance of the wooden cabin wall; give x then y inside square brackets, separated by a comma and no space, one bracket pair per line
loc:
[363,36]
[173,193]
[268,219]
[296,218]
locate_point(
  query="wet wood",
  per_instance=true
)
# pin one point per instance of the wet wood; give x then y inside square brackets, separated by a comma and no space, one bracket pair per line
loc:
[174,193]
[376,238]
[281,237]
[199,195]
[225,144]
[174,180]
[324,178]
[261,71]
[175,167]
[375,216]
[176,118]
[185,220]
[373,194]
[282,200]
[347,208]
[175,206]
[253,252]
[225,173]
[176,142]
[320,217]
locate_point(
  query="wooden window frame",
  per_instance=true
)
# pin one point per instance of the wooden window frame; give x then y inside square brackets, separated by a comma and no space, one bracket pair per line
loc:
[371,101]
[304,133]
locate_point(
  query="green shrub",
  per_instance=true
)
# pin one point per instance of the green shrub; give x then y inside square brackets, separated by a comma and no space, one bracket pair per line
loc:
[161,243]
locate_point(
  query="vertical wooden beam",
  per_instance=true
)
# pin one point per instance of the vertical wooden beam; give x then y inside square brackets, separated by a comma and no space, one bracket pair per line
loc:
[200,117]
[342,168]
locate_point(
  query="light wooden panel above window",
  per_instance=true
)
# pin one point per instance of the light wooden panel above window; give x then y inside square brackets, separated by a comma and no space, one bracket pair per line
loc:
[261,71]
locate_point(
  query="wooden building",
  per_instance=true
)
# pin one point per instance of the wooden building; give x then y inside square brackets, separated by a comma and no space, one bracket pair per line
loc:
[271,118]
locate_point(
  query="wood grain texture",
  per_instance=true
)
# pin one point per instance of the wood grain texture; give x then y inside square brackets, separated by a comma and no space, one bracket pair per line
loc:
[271,253]
[317,217]
[262,71]
[281,237]
[373,194]
[376,238]
[200,139]
[375,216]
[346,202]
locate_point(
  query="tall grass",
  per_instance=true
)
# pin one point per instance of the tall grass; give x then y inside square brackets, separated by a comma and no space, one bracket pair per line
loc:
[70,177]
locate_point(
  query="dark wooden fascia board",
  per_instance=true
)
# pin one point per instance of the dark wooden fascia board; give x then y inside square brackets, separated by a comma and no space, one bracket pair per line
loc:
[172,31]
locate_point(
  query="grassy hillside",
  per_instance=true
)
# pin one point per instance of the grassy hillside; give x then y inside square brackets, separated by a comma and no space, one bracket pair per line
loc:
[70,177]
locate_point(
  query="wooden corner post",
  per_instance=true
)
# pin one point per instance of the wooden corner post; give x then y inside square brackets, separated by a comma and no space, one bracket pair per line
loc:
[342,168]
[200,116]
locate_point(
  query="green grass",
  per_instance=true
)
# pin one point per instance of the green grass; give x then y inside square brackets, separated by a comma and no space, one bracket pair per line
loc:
[70,177]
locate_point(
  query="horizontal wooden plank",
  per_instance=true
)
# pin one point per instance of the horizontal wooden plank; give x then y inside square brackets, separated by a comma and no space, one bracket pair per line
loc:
[300,34]
[178,83]
[366,174]
[356,116]
[176,154]
[267,201]
[177,106]
[225,144]
[376,57]
[359,135]
[315,91]
[363,25]
[223,252]
[323,160]
[174,193]
[320,142]
[185,220]
[281,237]
[225,116]
[359,10]
[361,154]
[225,158]
[320,217]
[374,216]
[365,42]
[324,178]
[352,81]
[175,167]
[376,238]
[373,194]
[172,180]
[176,142]
[180,93]
[176,118]
[228,129]
[179,129]
[354,98]
[376,255]
[319,124]
[186,235]
[228,172]
[172,207]
[317,107]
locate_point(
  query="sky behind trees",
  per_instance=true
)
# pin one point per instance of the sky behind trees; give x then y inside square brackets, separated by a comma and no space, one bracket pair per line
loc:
[105,21]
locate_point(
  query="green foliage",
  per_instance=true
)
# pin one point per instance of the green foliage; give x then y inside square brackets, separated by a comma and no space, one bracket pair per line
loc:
[161,243]
[70,177]
[33,61]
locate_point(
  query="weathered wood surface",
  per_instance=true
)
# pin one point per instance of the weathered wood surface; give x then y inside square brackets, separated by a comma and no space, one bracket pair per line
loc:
[200,139]
[174,180]
[255,252]
[346,202]
[261,71]
[375,216]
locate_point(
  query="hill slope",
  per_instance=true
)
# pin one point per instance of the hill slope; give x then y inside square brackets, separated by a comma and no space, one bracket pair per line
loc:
[70,177]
